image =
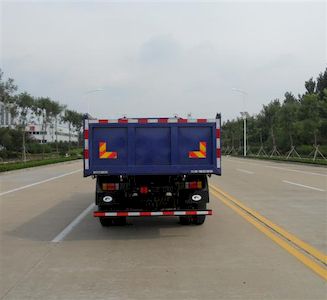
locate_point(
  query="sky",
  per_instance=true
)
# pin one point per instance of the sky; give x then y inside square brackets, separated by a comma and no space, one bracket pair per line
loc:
[152,58]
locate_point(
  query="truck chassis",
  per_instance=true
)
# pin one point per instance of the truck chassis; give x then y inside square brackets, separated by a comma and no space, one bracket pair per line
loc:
[185,196]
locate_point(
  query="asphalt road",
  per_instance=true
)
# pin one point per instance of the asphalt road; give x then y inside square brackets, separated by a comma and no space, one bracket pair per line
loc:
[156,258]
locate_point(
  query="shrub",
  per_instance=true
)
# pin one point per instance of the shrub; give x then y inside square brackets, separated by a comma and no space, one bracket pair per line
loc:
[33,163]
[35,148]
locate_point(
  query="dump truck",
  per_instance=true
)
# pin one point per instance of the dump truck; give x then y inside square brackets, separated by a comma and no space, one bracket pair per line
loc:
[147,167]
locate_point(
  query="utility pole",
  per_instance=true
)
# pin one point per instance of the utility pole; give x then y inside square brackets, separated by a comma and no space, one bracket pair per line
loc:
[244,115]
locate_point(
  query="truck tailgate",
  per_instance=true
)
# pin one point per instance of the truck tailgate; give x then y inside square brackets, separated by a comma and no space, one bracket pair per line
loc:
[151,146]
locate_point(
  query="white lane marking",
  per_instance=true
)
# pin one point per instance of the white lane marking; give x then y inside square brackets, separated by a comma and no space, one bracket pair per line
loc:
[305,186]
[39,182]
[240,160]
[73,224]
[298,171]
[245,171]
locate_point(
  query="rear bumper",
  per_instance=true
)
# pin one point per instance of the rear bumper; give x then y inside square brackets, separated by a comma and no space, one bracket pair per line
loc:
[152,213]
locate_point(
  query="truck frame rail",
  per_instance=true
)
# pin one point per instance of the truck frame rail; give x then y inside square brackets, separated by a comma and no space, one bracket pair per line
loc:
[163,213]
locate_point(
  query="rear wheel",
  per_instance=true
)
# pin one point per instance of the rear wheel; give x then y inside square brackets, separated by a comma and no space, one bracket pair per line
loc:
[104,221]
[198,220]
[110,221]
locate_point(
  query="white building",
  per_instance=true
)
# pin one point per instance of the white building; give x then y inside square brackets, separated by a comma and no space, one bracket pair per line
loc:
[5,117]
[49,136]
[61,133]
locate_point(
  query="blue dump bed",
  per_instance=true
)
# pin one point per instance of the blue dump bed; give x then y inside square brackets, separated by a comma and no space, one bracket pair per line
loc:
[170,146]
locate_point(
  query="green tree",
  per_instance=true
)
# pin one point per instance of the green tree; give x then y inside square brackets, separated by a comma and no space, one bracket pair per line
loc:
[299,121]
[270,114]
[323,117]
[253,131]
[43,107]
[321,84]
[78,124]
[25,103]
[288,115]
[7,91]
[288,118]
[263,128]
[310,120]
[55,111]
[227,135]
[69,117]
[10,140]
[310,86]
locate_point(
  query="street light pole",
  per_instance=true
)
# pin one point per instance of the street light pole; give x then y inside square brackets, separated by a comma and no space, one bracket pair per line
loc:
[244,115]
[244,132]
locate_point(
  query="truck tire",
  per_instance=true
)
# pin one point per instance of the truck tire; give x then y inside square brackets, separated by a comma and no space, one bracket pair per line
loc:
[198,220]
[104,221]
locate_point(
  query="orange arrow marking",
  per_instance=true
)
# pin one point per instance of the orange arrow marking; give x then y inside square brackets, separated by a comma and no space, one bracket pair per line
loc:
[103,153]
[199,154]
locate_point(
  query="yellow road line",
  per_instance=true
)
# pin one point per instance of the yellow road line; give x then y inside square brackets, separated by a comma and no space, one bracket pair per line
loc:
[278,240]
[303,245]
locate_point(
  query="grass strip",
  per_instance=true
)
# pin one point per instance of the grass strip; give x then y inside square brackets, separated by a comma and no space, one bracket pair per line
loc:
[34,163]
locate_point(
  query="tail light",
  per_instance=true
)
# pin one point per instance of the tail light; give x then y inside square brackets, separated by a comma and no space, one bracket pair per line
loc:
[193,185]
[110,186]
[144,190]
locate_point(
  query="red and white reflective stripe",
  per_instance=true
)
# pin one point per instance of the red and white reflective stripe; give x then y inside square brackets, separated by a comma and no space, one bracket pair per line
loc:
[86,144]
[218,143]
[147,120]
[152,213]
